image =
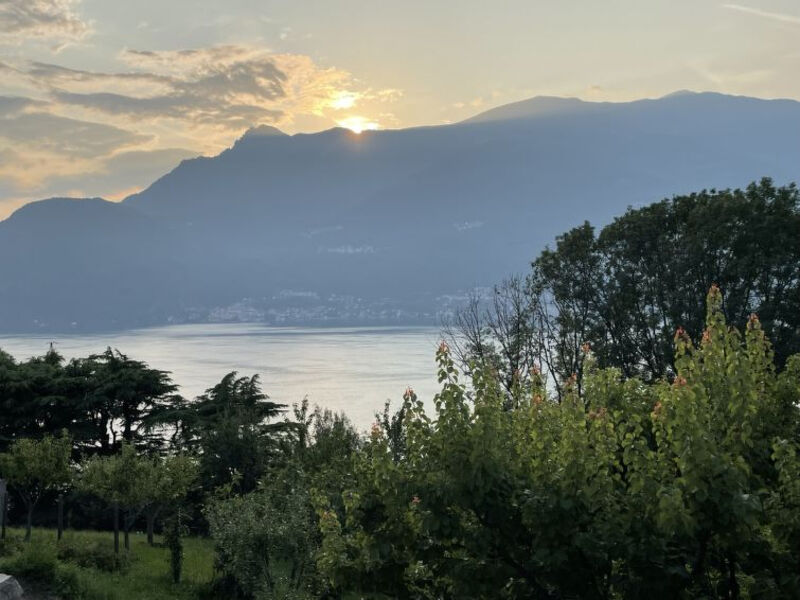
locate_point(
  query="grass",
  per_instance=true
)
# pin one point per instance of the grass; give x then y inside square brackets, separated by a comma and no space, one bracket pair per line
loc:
[147,576]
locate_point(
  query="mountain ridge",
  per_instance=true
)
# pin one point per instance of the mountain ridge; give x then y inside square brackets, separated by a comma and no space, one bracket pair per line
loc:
[390,219]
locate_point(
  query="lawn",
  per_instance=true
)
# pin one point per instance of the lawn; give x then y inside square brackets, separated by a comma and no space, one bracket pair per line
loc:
[147,577]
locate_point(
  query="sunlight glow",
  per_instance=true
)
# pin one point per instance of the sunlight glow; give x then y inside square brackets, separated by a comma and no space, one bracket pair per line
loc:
[342,100]
[358,124]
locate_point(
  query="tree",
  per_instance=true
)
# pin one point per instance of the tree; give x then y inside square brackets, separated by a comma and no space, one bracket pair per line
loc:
[124,395]
[228,427]
[125,481]
[500,332]
[102,400]
[170,483]
[625,290]
[265,540]
[36,397]
[35,468]
[170,480]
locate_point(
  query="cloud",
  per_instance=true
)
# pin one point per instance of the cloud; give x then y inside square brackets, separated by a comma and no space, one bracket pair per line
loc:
[124,173]
[70,127]
[784,18]
[34,173]
[53,20]
[51,155]
[227,88]
[71,137]
[14,105]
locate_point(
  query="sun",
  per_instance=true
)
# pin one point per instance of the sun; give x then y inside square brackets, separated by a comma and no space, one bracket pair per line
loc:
[342,100]
[358,124]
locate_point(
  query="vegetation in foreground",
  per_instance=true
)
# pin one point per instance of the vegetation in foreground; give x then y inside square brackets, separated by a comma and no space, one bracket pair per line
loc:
[83,566]
[552,470]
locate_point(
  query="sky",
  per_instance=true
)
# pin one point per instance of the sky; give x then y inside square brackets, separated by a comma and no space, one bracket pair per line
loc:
[101,97]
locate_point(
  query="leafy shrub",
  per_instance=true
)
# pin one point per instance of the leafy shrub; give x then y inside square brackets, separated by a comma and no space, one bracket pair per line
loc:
[10,546]
[686,488]
[93,555]
[266,540]
[37,561]
[72,583]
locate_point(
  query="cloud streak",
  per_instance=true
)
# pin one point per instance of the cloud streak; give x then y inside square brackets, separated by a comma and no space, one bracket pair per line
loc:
[227,88]
[81,129]
[45,19]
[782,17]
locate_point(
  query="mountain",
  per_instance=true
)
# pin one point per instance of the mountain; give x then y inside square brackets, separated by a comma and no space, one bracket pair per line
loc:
[378,227]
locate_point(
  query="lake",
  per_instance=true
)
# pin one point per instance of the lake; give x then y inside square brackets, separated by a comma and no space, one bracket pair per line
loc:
[354,370]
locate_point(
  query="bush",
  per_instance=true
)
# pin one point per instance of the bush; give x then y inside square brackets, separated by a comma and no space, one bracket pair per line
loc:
[73,584]
[93,555]
[266,540]
[687,488]
[10,546]
[37,561]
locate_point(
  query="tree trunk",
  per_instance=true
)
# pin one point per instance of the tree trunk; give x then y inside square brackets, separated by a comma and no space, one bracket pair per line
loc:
[116,528]
[733,584]
[127,540]
[151,525]
[29,523]
[60,516]
[2,509]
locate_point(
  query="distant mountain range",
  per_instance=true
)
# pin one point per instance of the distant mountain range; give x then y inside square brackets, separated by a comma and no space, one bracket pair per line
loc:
[379,227]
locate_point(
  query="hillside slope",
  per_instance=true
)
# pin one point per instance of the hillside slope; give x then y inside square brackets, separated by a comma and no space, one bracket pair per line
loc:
[375,227]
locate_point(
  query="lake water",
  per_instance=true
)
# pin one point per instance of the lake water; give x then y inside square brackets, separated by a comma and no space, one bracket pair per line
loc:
[354,370]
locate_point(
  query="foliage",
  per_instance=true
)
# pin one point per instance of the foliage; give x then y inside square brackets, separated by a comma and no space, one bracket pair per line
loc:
[325,444]
[102,400]
[174,531]
[625,290]
[37,561]
[133,483]
[145,578]
[93,554]
[621,489]
[228,428]
[124,479]
[125,394]
[35,468]
[33,397]
[265,540]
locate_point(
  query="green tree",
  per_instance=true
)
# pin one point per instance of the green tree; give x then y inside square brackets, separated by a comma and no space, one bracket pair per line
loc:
[125,481]
[35,468]
[171,479]
[36,397]
[265,540]
[625,290]
[102,400]
[124,396]
[229,428]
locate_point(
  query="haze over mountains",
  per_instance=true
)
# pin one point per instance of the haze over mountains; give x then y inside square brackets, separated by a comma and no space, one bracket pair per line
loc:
[379,227]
